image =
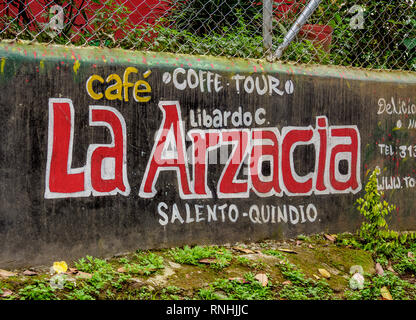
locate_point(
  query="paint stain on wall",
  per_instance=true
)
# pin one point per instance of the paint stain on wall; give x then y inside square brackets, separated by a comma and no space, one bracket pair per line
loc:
[76,66]
[3,63]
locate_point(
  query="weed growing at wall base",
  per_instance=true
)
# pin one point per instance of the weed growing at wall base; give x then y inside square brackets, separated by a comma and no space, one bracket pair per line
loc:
[399,289]
[39,290]
[300,287]
[215,257]
[242,289]
[284,275]
[146,264]
[374,229]
[392,250]
[374,233]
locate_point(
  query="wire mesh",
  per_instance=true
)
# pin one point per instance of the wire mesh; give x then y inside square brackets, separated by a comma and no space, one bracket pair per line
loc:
[374,34]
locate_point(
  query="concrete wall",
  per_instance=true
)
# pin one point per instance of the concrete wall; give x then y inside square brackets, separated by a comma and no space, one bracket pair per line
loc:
[104,151]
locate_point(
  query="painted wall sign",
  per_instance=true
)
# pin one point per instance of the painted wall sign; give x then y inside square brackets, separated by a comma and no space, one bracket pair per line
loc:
[108,150]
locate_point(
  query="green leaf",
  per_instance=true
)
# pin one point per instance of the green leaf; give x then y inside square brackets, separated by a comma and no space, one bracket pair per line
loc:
[410,43]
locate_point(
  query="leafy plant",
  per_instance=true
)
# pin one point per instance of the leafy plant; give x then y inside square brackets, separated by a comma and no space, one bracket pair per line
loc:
[193,256]
[382,41]
[374,232]
[399,289]
[374,235]
[249,289]
[403,258]
[39,290]
[258,265]
[209,16]
[374,229]
[91,264]
[146,264]
[347,239]
[275,253]
[103,276]
[110,18]
[301,287]
[302,237]
[170,293]
[208,294]
[235,40]
[79,294]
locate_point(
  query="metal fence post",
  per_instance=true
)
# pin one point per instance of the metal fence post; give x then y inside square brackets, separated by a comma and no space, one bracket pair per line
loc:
[267,26]
[294,30]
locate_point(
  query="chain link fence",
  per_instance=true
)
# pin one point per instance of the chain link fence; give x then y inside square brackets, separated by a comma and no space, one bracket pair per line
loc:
[374,34]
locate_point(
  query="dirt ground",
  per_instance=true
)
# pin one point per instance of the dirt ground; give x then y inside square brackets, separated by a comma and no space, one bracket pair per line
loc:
[313,267]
